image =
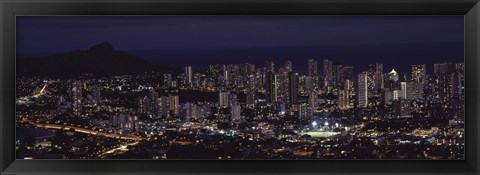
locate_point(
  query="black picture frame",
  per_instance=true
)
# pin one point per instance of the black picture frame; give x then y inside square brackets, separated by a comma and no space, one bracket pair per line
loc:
[11,8]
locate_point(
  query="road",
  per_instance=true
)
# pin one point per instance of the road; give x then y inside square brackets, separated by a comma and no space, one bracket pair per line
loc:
[88,131]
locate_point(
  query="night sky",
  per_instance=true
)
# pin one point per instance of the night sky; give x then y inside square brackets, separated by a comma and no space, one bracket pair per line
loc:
[395,41]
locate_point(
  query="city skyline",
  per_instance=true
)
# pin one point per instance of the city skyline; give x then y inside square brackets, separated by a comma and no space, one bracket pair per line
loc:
[105,102]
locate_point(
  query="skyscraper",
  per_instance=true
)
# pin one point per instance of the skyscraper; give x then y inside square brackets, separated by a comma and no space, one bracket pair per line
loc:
[362,89]
[401,107]
[403,90]
[271,82]
[448,82]
[378,76]
[235,112]
[270,65]
[189,74]
[293,87]
[167,80]
[393,75]
[251,90]
[188,111]
[288,66]
[77,98]
[312,68]
[224,99]
[419,73]
[343,99]
[328,73]
[174,102]
[312,99]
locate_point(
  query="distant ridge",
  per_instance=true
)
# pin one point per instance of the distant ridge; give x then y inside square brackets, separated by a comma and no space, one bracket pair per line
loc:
[100,59]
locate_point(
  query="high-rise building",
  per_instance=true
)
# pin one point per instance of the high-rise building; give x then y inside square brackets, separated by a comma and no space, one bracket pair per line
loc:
[271,87]
[97,97]
[189,74]
[387,97]
[309,84]
[163,104]
[378,77]
[77,98]
[348,71]
[293,87]
[312,99]
[362,89]
[174,102]
[235,112]
[448,78]
[343,99]
[189,110]
[152,107]
[312,68]
[419,73]
[283,85]
[401,107]
[403,90]
[414,90]
[393,75]
[251,90]
[288,66]
[270,66]
[396,95]
[224,99]
[270,82]
[167,80]
[118,119]
[338,77]
[328,73]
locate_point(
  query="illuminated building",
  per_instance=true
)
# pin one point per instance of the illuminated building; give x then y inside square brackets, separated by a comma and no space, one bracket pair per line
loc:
[167,80]
[77,98]
[293,87]
[288,66]
[338,77]
[283,85]
[387,97]
[414,90]
[271,87]
[419,73]
[309,84]
[362,90]
[312,68]
[188,111]
[403,90]
[312,99]
[251,91]
[393,75]
[235,112]
[343,99]
[97,98]
[401,107]
[224,99]
[118,119]
[376,75]
[327,73]
[448,82]
[189,74]
[174,104]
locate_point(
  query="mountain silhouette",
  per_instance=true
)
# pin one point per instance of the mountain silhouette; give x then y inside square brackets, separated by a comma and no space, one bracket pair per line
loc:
[101,59]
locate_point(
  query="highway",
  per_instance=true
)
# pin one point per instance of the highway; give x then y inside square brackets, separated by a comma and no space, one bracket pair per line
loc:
[88,131]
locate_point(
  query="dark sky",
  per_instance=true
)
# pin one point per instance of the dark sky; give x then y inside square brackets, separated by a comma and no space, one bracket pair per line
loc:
[200,40]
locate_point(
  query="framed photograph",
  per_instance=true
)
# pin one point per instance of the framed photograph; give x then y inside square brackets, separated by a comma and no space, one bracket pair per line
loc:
[239,87]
